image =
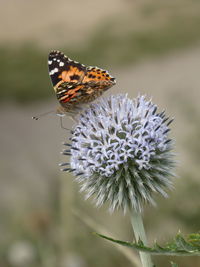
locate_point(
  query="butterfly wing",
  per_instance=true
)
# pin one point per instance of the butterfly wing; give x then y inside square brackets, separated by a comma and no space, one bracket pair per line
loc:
[97,75]
[66,76]
[75,83]
[95,82]
[63,69]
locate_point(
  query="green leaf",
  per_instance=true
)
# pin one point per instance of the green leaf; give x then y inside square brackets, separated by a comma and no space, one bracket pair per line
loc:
[195,239]
[180,246]
[174,264]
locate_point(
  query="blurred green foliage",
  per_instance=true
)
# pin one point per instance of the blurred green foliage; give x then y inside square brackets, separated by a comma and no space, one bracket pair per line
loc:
[23,73]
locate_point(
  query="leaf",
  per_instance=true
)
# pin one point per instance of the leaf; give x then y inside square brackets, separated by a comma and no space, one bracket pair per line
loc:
[195,239]
[180,246]
[174,264]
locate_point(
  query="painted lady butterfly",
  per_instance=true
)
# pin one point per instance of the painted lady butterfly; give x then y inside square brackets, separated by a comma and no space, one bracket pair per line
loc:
[74,83]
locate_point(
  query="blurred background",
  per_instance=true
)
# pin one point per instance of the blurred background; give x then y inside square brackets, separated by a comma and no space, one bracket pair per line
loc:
[151,47]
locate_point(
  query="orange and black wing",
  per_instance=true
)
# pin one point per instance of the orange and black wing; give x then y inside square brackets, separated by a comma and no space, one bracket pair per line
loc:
[75,83]
[98,75]
[65,75]
[63,69]
[95,82]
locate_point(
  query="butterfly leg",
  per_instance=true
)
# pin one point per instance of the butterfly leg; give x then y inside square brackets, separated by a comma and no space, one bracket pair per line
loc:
[61,124]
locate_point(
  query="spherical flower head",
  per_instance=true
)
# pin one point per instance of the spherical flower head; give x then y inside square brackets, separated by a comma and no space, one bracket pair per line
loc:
[121,153]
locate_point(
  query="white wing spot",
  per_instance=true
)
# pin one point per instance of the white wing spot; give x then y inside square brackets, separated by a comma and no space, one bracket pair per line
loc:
[61,64]
[60,92]
[53,71]
[50,62]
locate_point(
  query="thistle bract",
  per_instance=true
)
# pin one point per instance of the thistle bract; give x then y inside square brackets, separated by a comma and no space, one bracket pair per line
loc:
[121,153]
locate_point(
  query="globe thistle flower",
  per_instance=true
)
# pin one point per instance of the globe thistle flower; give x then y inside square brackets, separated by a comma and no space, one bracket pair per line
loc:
[120,152]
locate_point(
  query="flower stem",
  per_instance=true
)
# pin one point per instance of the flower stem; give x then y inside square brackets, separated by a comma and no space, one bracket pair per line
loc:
[139,232]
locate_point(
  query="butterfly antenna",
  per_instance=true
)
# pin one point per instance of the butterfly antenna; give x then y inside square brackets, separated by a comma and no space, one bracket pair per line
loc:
[41,115]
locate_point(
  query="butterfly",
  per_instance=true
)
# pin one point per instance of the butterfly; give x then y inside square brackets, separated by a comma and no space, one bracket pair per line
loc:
[74,83]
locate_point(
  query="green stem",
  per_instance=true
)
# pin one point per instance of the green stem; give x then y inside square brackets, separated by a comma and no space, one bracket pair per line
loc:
[139,232]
